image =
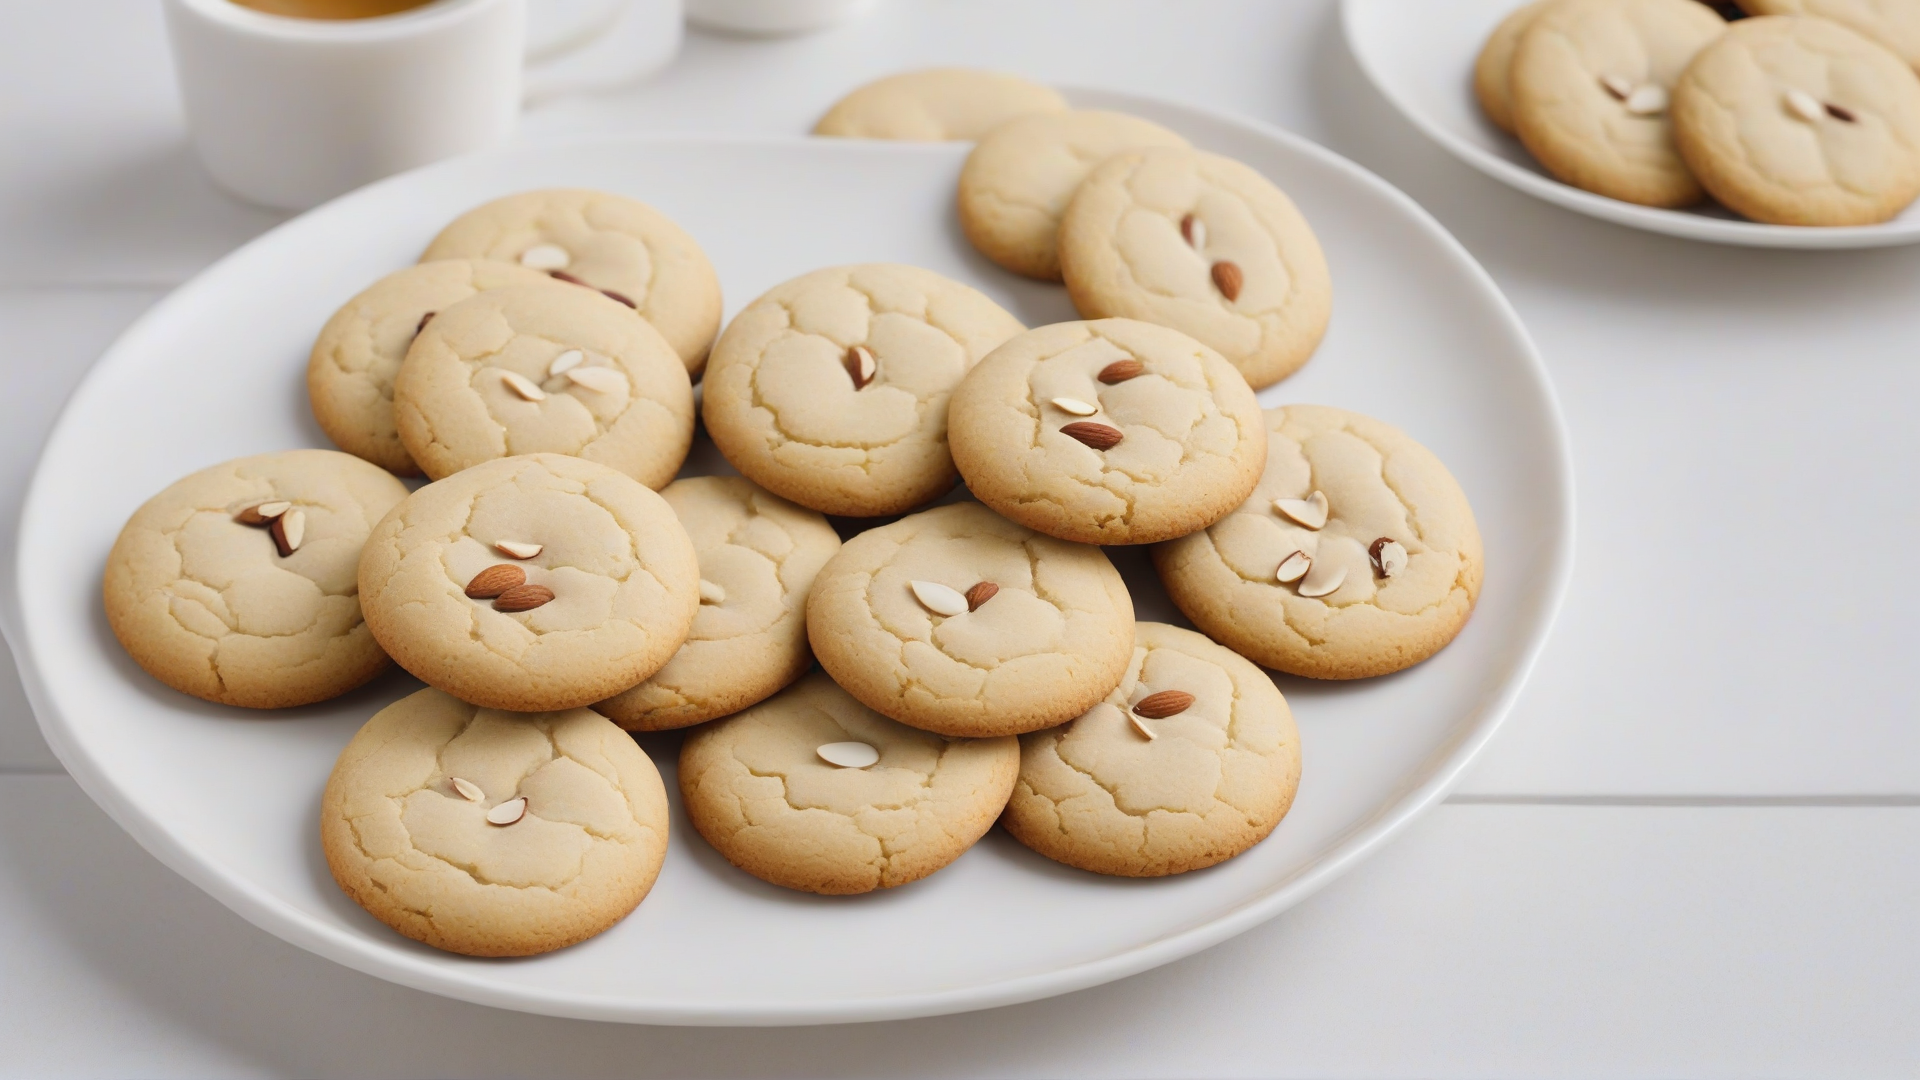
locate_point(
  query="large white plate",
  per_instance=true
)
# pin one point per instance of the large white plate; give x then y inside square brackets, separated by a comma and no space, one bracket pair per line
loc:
[1420,54]
[228,797]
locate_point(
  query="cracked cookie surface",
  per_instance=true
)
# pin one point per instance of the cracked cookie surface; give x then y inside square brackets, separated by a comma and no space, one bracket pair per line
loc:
[1018,180]
[489,378]
[757,788]
[208,605]
[354,361]
[784,404]
[607,242]
[936,105]
[420,854]
[1192,440]
[1892,23]
[1589,134]
[758,555]
[1148,236]
[1213,781]
[1853,158]
[1051,639]
[623,574]
[1379,484]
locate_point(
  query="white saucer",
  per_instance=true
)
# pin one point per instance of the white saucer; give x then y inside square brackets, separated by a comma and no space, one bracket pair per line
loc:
[1420,53]
[229,798]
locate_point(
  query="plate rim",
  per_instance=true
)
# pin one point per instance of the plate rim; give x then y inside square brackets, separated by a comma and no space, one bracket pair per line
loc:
[1684,226]
[315,935]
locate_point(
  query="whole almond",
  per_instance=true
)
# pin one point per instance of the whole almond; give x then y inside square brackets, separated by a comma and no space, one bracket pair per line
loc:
[1163,704]
[1228,279]
[1098,436]
[522,598]
[980,594]
[495,580]
[1121,370]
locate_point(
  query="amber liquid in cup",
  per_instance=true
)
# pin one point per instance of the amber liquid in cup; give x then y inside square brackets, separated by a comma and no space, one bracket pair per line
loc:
[332,9]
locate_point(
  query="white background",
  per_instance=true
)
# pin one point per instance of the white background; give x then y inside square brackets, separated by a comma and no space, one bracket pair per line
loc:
[1695,849]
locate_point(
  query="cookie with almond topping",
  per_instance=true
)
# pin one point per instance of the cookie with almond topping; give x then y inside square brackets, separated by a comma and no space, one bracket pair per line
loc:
[960,622]
[531,583]
[493,833]
[1795,120]
[1357,554]
[1107,432]
[936,105]
[1205,245]
[238,583]
[759,555]
[1191,760]
[814,791]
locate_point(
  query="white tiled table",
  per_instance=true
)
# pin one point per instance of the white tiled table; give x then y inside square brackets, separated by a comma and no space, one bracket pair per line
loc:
[1695,850]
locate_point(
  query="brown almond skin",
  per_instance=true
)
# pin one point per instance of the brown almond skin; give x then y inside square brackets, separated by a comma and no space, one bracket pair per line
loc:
[522,598]
[1121,370]
[1163,704]
[853,368]
[278,530]
[495,580]
[1228,279]
[252,516]
[980,594]
[1098,436]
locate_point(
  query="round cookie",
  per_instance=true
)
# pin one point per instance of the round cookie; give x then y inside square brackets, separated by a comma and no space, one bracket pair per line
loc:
[411,823]
[1490,69]
[604,241]
[604,583]
[351,370]
[1793,120]
[758,786]
[1018,180]
[206,602]
[758,557]
[1205,245]
[963,623]
[937,105]
[527,370]
[1192,760]
[1108,432]
[1892,23]
[786,403]
[1346,618]
[1591,81]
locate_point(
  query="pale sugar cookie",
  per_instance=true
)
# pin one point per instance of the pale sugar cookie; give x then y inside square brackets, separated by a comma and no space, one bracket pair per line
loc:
[937,105]
[1490,70]
[1892,23]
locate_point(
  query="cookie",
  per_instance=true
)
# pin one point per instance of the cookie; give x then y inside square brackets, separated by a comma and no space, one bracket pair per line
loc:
[1108,432]
[1356,556]
[236,584]
[1018,180]
[351,370]
[937,105]
[493,833]
[1792,120]
[1490,69]
[816,792]
[531,583]
[831,390]
[1192,760]
[631,251]
[535,369]
[1205,245]
[1892,23]
[758,557]
[963,623]
[1591,82]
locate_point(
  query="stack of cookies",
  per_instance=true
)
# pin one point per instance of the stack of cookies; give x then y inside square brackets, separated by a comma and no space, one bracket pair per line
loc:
[861,712]
[1788,118]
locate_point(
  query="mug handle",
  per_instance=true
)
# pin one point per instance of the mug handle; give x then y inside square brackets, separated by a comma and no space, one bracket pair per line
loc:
[623,42]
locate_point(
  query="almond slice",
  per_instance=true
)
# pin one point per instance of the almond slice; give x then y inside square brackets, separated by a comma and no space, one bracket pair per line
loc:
[1323,582]
[1194,232]
[523,598]
[1804,105]
[619,298]
[981,593]
[546,257]
[1389,556]
[519,549]
[711,593]
[1140,726]
[1120,371]
[263,513]
[495,580]
[939,599]
[847,755]
[566,362]
[1098,436]
[508,812]
[1228,279]
[1647,100]
[1293,567]
[522,386]
[601,380]
[288,530]
[1310,512]
[468,790]
[1616,87]
[1074,406]
[861,366]
[1161,705]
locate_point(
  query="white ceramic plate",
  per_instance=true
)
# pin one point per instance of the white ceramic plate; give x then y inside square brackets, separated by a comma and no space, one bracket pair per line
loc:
[1420,54]
[229,797]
